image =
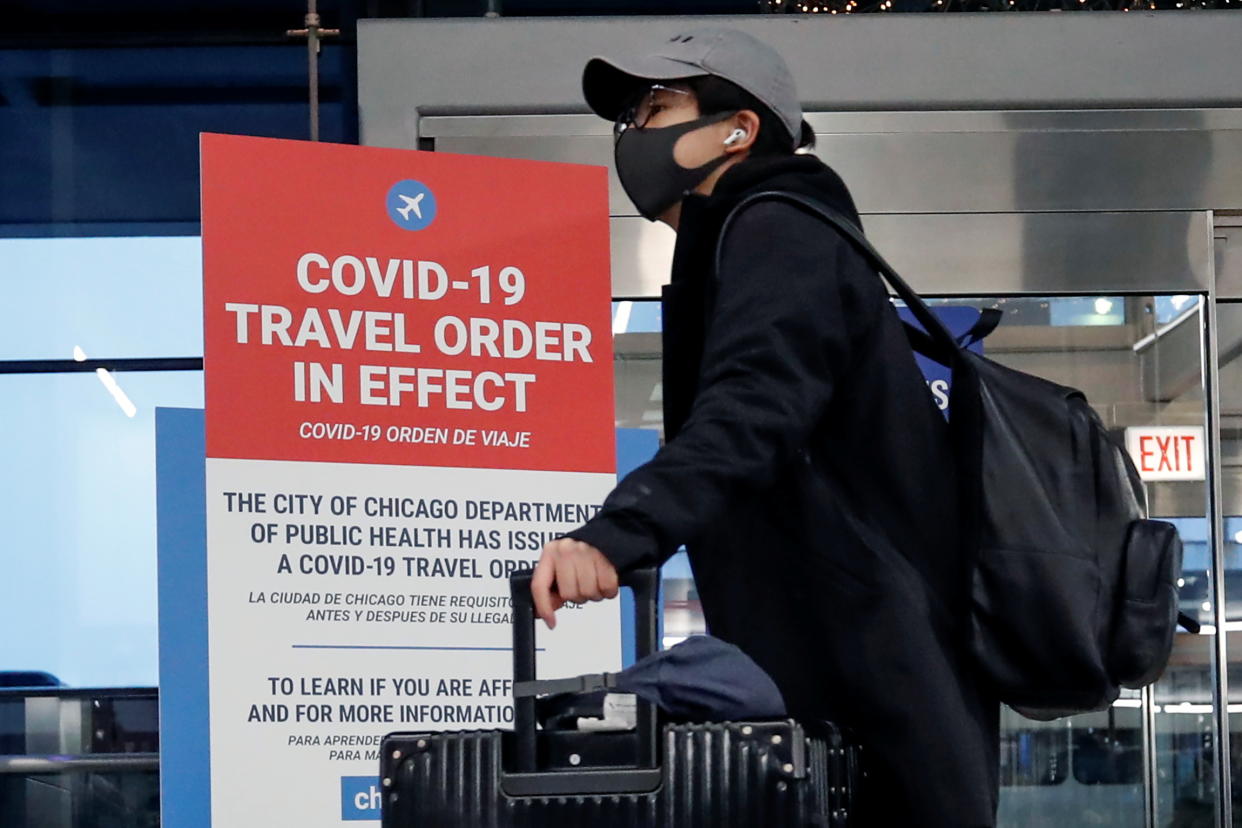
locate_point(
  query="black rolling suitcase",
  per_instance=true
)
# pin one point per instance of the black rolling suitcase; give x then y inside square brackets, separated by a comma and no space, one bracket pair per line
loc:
[737,774]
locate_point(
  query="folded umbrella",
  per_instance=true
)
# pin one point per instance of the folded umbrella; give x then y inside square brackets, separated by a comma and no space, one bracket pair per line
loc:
[702,679]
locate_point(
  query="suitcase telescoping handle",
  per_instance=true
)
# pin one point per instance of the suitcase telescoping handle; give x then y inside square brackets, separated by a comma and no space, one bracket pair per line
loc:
[527,780]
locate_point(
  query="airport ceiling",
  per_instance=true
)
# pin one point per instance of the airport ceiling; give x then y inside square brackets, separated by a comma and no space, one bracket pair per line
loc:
[101,104]
[72,21]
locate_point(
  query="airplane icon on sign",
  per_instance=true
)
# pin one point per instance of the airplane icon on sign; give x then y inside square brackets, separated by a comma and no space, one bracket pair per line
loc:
[414,204]
[411,205]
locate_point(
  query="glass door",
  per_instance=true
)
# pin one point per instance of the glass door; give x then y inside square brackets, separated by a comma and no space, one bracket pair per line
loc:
[1139,360]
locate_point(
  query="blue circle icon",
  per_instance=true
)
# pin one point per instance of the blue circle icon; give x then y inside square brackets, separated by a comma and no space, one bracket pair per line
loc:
[411,205]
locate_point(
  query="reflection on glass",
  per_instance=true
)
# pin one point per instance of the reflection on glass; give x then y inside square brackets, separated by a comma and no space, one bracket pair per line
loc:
[1034,756]
[108,726]
[115,297]
[1050,312]
[80,524]
[1108,755]
[81,800]
[1169,308]
[637,363]
[683,612]
[1085,770]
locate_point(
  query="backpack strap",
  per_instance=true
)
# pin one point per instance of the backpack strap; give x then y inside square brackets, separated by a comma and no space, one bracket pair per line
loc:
[934,341]
[988,319]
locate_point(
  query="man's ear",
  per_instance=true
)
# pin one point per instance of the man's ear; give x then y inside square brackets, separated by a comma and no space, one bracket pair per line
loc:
[748,122]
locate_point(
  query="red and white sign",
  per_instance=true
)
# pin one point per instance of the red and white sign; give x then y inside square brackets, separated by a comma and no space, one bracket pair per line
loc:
[1167,452]
[409,390]
[322,310]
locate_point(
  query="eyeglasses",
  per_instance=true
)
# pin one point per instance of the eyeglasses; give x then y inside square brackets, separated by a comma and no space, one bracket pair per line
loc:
[646,104]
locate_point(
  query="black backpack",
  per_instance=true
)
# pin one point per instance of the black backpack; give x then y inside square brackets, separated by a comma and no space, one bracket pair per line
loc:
[1073,591]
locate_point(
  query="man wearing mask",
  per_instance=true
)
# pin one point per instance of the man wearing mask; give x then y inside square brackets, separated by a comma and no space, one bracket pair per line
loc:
[806,468]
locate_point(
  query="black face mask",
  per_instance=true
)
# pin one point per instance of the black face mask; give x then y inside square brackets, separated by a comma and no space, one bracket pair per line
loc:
[652,178]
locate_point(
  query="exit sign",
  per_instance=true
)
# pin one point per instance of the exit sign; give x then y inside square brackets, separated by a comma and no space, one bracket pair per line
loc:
[1167,452]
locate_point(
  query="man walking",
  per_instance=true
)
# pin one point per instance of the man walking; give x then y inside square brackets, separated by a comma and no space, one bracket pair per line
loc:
[806,468]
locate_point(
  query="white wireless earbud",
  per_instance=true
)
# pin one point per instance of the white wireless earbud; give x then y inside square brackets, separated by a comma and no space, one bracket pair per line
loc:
[734,137]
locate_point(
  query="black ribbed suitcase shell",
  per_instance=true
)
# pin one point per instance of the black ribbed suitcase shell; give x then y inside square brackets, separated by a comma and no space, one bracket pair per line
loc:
[733,774]
[768,774]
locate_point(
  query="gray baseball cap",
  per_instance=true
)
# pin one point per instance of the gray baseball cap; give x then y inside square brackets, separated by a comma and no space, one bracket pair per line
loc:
[610,83]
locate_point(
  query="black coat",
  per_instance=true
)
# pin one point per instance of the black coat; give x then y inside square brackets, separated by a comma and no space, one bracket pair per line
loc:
[808,473]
